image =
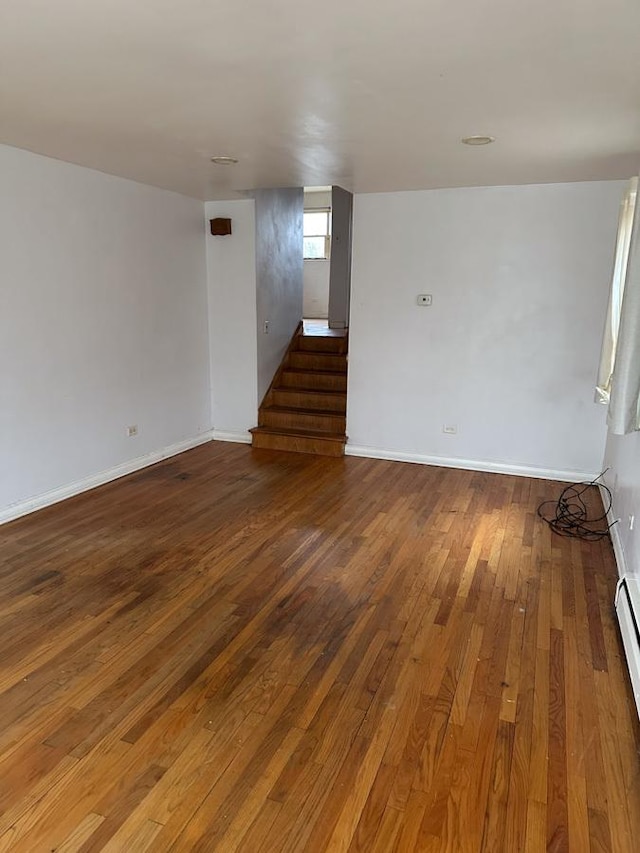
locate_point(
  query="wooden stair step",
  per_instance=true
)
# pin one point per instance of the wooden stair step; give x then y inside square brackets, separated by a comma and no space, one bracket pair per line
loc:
[319,400]
[298,441]
[283,417]
[330,362]
[313,380]
[304,409]
[324,343]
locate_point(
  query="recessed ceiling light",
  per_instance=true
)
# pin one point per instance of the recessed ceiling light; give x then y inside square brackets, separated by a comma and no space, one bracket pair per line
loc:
[224,161]
[478,140]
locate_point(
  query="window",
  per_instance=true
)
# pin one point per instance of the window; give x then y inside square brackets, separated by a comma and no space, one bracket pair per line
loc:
[619,374]
[317,234]
[619,277]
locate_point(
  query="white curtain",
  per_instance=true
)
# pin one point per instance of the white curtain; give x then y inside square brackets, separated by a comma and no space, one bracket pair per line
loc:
[618,381]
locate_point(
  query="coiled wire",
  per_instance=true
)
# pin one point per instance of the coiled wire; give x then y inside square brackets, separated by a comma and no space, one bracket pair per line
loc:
[571,516]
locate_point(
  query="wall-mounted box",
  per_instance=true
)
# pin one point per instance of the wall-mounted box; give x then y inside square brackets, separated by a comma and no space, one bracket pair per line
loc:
[220,227]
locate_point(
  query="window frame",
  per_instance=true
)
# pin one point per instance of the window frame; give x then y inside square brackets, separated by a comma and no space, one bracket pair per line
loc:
[327,235]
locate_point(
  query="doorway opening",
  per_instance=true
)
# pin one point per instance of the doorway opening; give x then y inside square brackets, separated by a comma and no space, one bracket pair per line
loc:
[317,255]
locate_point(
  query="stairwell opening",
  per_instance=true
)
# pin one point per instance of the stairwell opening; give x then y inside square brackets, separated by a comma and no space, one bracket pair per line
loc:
[305,408]
[316,254]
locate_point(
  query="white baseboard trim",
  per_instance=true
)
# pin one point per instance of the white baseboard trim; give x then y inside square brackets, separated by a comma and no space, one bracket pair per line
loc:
[239,437]
[470,464]
[616,541]
[17,510]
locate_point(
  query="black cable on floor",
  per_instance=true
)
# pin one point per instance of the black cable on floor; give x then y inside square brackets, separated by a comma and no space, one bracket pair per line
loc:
[571,516]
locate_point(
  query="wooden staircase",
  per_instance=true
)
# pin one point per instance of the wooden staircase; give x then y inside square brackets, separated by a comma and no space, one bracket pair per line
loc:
[305,408]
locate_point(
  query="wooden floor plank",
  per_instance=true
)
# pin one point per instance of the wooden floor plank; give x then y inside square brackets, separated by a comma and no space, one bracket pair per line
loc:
[266,652]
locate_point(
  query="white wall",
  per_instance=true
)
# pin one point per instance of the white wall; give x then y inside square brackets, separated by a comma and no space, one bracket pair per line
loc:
[103,323]
[622,459]
[315,199]
[622,456]
[508,351]
[278,215]
[316,289]
[231,277]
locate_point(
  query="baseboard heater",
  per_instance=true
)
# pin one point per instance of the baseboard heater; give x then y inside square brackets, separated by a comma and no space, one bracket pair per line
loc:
[627,603]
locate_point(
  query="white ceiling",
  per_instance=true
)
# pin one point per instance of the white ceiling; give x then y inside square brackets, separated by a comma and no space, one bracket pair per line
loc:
[372,96]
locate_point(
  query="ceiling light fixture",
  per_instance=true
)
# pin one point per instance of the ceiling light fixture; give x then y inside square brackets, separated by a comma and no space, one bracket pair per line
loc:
[224,161]
[478,140]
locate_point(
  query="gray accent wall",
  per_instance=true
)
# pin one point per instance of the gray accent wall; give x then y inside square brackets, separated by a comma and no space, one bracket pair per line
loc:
[340,273]
[279,276]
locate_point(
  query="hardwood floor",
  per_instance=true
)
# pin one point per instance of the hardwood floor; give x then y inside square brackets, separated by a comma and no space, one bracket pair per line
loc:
[261,651]
[321,327]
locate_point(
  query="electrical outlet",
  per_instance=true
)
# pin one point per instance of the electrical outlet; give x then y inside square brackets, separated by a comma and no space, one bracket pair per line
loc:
[265,328]
[450,429]
[424,299]
[132,430]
